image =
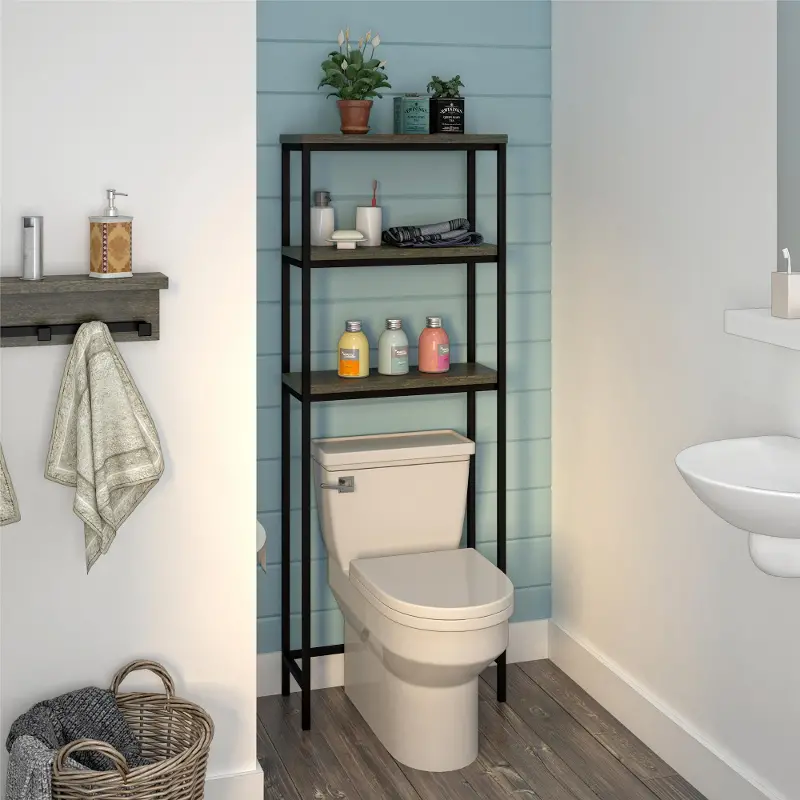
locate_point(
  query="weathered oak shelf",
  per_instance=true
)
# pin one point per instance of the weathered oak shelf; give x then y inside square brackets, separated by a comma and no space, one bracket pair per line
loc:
[394,141]
[58,300]
[327,385]
[388,256]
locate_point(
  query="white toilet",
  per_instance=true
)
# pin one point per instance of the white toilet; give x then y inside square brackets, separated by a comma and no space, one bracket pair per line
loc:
[423,617]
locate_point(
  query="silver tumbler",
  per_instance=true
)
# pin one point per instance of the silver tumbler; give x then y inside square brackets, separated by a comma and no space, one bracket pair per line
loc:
[32,262]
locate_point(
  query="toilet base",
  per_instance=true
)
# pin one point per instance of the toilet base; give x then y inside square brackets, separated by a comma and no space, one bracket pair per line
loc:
[427,727]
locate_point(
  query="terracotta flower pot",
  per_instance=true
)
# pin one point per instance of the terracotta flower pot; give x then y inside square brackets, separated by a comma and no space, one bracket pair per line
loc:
[355,115]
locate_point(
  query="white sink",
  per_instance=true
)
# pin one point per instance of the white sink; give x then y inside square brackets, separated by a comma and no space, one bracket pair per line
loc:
[754,484]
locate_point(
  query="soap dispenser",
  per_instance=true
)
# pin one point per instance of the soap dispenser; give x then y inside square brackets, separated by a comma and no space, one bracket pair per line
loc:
[111,241]
[786,291]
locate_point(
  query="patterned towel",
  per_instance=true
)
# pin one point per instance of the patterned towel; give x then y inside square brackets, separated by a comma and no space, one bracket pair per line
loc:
[89,713]
[105,443]
[9,510]
[30,770]
[455,233]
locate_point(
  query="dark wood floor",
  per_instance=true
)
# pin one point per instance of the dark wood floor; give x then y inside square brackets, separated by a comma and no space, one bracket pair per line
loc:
[551,741]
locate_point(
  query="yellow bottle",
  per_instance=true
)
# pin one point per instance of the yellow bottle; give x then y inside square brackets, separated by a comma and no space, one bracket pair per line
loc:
[353,351]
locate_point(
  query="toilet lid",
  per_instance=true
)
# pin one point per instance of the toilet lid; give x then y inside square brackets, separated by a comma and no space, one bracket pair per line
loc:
[450,584]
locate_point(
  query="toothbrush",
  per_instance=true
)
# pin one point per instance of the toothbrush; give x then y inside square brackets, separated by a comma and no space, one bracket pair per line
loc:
[374,190]
[786,255]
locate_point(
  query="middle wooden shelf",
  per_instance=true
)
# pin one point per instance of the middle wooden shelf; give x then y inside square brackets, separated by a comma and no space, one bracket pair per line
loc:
[327,385]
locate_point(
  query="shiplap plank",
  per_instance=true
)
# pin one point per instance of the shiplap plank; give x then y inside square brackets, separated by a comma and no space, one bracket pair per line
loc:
[528,565]
[528,270]
[411,174]
[528,514]
[527,320]
[489,23]
[326,626]
[527,218]
[525,71]
[527,366]
[524,120]
[528,464]
[528,418]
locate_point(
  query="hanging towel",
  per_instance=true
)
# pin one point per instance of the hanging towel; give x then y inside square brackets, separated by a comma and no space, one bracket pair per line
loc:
[9,510]
[455,233]
[30,770]
[104,443]
[89,713]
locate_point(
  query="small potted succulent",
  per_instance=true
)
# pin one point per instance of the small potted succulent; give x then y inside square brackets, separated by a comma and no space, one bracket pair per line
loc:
[446,105]
[355,79]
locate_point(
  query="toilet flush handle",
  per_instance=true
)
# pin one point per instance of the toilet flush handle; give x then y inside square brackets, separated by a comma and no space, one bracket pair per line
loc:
[343,485]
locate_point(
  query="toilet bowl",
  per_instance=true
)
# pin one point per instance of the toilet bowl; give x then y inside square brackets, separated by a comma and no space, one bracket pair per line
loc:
[423,617]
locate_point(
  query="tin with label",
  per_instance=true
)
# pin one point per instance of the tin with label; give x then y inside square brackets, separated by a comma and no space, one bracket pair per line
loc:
[411,113]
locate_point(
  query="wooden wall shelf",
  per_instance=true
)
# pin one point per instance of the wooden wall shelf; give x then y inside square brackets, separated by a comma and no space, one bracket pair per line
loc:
[59,300]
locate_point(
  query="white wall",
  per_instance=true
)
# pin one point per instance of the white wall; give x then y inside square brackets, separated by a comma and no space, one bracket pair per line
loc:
[788,124]
[664,192]
[156,99]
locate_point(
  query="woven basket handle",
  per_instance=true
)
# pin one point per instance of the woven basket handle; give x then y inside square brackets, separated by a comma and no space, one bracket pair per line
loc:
[151,666]
[105,749]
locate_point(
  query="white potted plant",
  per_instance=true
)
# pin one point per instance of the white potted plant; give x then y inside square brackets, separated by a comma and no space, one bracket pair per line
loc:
[355,78]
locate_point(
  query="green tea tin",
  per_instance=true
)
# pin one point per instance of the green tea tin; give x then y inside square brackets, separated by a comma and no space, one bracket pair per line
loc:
[411,114]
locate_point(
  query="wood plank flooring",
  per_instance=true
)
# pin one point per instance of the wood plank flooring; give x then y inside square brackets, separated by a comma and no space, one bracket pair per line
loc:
[550,741]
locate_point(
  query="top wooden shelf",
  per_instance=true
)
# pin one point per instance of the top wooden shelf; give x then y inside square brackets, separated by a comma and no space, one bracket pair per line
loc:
[400,141]
[61,284]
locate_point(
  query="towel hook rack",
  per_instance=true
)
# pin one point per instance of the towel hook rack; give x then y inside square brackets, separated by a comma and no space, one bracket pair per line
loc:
[45,333]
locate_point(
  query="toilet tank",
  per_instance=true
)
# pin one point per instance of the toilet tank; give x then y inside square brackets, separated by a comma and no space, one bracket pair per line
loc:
[409,493]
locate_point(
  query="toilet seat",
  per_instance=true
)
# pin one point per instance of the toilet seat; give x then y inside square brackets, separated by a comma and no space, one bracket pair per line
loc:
[455,590]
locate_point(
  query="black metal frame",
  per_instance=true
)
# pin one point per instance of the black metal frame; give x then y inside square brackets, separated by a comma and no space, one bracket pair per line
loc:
[290,668]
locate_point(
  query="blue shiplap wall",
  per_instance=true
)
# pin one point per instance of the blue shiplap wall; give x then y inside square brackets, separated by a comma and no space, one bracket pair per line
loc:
[502,51]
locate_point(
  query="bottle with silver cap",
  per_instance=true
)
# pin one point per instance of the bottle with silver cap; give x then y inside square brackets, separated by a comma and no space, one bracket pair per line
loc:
[32,253]
[393,349]
[434,347]
[322,219]
[353,351]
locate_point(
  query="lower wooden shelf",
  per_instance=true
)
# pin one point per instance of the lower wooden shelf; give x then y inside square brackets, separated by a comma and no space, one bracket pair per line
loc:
[327,385]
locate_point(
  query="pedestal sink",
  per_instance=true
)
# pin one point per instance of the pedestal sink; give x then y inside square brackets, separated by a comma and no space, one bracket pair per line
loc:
[754,484]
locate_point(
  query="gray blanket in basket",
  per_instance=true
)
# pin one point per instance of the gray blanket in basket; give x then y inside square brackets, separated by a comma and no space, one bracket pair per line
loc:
[30,770]
[454,233]
[89,713]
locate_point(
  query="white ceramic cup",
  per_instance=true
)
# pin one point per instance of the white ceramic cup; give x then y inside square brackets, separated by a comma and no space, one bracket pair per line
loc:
[368,221]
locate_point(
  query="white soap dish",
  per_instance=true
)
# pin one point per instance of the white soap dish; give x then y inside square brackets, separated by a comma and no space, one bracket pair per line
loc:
[346,240]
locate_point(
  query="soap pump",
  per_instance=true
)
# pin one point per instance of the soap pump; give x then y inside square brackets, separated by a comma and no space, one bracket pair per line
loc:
[111,241]
[786,291]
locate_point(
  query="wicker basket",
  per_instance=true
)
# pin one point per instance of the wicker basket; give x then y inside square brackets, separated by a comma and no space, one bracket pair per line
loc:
[174,732]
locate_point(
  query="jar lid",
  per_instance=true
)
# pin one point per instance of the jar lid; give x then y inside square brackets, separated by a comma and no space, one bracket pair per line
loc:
[394,324]
[433,322]
[353,325]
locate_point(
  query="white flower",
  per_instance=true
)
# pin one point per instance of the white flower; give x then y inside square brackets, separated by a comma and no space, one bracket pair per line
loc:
[382,65]
[369,35]
[340,38]
[360,43]
[376,41]
[347,34]
[344,64]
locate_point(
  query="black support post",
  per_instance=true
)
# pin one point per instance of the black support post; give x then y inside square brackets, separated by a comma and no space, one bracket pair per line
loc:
[471,353]
[286,439]
[501,388]
[305,469]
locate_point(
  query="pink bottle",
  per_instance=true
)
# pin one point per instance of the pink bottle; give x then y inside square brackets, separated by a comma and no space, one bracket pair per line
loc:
[434,347]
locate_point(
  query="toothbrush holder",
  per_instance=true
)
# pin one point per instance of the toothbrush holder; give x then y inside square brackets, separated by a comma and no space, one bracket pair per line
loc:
[369,220]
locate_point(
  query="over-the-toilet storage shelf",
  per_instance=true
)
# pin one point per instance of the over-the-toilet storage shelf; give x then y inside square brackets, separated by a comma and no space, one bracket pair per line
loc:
[309,386]
[759,324]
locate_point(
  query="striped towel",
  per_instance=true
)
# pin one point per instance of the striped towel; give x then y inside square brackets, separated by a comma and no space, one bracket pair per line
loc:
[455,233]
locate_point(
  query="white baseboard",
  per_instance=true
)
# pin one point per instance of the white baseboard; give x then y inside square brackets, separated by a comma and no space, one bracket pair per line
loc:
[527,641]
[710,768]
[241,786]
